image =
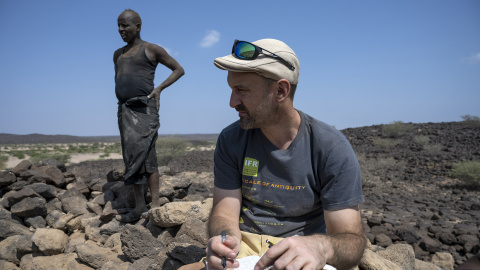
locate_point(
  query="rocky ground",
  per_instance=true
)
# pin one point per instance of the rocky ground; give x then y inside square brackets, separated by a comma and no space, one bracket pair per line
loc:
[415,215]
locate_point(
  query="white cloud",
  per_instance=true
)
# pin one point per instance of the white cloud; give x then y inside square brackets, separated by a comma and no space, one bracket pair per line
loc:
[169,51]
[210,39]
[474,59]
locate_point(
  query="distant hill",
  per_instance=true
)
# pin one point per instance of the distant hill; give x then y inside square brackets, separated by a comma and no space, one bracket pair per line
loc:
[35,138]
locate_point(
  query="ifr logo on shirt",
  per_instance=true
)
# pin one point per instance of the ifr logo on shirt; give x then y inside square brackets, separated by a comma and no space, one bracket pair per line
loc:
[250,167]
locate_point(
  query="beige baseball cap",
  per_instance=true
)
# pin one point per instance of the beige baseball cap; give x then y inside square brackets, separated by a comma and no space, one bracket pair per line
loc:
[264,65]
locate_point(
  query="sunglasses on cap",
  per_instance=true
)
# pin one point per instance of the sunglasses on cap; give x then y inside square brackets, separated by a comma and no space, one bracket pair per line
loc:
[248,51]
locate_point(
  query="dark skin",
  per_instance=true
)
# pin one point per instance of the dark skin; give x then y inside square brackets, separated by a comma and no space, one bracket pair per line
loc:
[129,27]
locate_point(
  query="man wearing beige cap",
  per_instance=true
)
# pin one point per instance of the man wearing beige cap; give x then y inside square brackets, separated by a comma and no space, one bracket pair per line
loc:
[287,186]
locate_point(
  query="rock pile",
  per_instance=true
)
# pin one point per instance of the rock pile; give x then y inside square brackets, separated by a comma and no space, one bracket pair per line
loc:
[50,219]
[415,216]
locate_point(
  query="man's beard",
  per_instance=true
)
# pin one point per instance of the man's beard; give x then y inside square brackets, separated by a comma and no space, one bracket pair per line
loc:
[263,115]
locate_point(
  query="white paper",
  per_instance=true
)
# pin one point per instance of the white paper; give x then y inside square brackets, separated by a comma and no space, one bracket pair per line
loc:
[248,263]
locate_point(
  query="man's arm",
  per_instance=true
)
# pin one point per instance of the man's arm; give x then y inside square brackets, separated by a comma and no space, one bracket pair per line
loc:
[345,232]
[157,54]
[342,246]
[116,54]
[224,216]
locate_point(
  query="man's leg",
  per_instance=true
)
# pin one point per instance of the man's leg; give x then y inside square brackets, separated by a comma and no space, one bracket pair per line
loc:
[154,184]
[140,205]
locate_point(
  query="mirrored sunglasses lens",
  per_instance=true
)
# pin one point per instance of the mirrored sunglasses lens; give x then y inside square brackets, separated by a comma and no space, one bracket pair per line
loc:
[244,50]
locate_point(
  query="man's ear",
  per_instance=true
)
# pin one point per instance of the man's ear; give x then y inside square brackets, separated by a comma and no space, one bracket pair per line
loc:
[283,89]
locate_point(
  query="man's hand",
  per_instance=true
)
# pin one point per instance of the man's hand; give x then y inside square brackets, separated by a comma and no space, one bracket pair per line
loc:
[216,250]
[297,252]
[156,94]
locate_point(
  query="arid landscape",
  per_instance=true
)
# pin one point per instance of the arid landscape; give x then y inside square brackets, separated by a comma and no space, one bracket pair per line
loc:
[417,214]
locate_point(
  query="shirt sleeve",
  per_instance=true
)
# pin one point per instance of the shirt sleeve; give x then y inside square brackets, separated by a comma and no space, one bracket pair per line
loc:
[226,166]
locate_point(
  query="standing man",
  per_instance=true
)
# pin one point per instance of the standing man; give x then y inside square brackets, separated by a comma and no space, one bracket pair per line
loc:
[280,174]
[138,106]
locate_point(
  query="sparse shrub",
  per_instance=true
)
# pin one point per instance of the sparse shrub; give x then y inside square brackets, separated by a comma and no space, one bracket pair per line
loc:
[396,129]
[468,172]
[434,148]
[385,143]
[372,168]
[64,158]
[421,141]
[472,121]
[3,161]
[169,147]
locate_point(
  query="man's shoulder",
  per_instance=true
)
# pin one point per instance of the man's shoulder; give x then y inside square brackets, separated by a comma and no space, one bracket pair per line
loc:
[232,129]
[322,131]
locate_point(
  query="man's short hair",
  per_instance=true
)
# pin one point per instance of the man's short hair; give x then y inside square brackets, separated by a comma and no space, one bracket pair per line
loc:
[135,17]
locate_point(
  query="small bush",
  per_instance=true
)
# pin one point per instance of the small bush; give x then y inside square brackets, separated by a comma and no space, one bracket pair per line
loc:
[472,121]
[396,129]
[3,161]
[421,141]
[434,148]
[169,147]
[63,158]
[376,168]
[468,172]
[385,143]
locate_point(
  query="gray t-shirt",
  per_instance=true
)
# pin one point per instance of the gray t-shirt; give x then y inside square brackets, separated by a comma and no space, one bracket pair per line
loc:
[284,192]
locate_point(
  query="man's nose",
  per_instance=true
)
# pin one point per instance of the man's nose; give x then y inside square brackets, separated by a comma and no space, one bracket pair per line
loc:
[234,100]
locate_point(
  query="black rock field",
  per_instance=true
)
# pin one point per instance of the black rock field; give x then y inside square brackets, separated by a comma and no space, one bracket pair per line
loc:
[410,198]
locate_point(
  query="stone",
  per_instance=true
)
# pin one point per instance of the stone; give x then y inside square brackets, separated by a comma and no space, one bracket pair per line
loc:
[407,233]
[429,244]
[401,254]
[75,238]
[138,242]
[195,229]
[54,204]
[30,207]
[56,177]
[96,256]
[44,190]
[7,178]
[110,265]
[8,249]
[372,261]
[186,253]
[421,265]
[74,202]
[11,228]
[444,260]
[50,241]
[446,237]
[22,166]
[383,240]
[60,261]
[7,215]
[8,265]
[58,220]
[115,176]
[14,197]
[176,213]
[145,263]
[25,244]
[36,222]
[468,241]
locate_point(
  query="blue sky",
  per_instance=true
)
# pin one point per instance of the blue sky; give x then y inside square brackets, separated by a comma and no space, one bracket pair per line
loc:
[362,62]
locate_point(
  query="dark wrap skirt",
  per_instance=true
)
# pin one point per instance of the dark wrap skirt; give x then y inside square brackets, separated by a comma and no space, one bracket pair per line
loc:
[138,121]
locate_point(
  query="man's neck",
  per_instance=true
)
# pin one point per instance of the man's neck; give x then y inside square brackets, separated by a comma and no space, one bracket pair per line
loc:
[134,42]
[283,131]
